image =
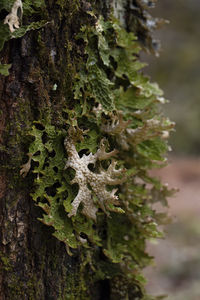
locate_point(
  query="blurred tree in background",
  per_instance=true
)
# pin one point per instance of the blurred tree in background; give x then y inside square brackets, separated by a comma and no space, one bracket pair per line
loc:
[177,70]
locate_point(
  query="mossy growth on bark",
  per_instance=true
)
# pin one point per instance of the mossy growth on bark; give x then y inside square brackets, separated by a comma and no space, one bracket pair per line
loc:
[90,160]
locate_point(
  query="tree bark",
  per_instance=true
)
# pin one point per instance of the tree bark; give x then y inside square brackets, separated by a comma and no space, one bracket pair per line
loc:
[34,264]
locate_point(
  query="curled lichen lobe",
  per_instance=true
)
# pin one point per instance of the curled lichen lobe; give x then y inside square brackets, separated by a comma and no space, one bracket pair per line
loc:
[12,18]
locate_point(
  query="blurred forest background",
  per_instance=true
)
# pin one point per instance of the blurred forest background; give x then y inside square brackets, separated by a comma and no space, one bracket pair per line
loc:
[177,70]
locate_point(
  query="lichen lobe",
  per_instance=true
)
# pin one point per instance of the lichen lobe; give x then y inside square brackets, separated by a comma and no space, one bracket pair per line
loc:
[91,183]
[12,18]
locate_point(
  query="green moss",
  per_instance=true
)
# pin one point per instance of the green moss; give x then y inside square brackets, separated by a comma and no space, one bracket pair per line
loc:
[15,287]
[5,262]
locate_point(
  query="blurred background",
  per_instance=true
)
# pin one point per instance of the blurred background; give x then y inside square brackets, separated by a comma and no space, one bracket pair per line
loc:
[177,70]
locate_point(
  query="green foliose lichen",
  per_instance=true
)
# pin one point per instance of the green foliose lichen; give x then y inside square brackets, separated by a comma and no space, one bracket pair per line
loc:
[114,103]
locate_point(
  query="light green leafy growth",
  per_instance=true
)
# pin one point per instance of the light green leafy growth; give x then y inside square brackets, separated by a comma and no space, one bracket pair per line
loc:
[93,80]
[95,190]
[112,100]
[95,84]
[53,192]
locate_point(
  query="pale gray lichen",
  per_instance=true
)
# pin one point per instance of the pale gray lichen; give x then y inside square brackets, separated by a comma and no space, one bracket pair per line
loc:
[93,184]
[26,167]
[129,136]
[151,129]
[116,126]
[12,18]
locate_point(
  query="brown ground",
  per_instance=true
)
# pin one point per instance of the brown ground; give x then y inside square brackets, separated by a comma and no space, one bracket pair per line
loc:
[177,258]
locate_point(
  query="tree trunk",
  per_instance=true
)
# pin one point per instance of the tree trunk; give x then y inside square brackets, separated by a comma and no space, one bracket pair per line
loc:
[34,264]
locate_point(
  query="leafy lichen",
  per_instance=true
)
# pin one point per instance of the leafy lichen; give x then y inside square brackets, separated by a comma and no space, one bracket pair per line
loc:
[80,187]
[91,182]
[12,18]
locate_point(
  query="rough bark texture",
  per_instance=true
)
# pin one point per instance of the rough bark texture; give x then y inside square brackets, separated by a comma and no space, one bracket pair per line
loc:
[34,264]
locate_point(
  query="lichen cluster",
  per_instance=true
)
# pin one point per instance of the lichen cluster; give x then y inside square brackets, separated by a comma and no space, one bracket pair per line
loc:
[91,169]
[91,183]
[96,166]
